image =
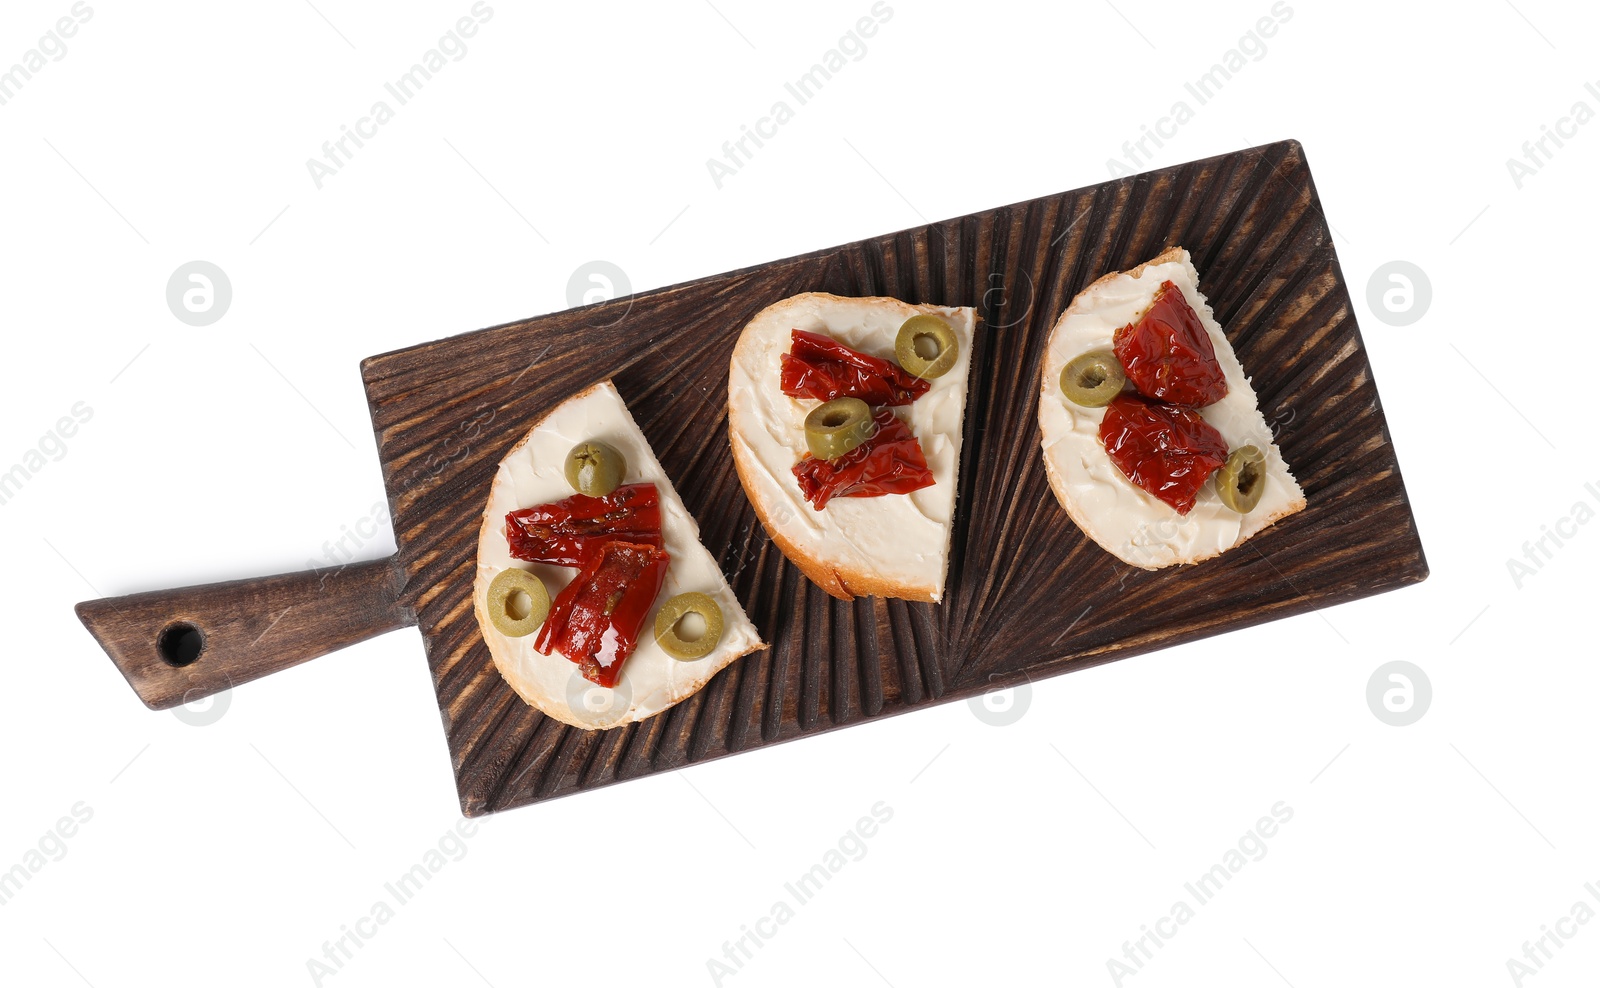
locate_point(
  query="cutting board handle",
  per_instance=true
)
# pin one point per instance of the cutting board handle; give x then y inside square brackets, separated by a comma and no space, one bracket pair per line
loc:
[177,646]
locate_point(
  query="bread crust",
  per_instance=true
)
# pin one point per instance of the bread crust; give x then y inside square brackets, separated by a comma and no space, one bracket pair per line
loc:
[1058,484]
[556,706]
[845,583]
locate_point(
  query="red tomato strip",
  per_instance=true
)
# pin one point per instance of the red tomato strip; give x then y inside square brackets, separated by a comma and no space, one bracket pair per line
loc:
[568,532]
[595,621]
[820,367]
[1168,353]
[889,462]
[1167,451]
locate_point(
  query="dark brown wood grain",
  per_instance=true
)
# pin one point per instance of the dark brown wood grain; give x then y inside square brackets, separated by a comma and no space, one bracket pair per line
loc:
[244,629]
[1028,595]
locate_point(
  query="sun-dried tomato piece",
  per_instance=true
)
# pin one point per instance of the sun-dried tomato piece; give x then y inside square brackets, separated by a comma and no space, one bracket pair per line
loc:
[821,367]
[569,531]
[595,621]
[1168,355]
[890,461]
[1167,451]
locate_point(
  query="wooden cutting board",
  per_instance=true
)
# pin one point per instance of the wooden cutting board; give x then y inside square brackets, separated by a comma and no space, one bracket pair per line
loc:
[1028,594]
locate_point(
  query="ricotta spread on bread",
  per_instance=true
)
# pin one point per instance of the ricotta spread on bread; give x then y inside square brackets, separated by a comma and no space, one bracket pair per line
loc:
[651,680]
[1128,522]
[894,545]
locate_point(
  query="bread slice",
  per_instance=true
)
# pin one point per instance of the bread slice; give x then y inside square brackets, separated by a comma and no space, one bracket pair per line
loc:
[897,545]
[1127,522]
[533,472]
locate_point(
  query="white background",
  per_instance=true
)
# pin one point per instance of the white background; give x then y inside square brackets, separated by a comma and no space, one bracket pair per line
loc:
[229,853]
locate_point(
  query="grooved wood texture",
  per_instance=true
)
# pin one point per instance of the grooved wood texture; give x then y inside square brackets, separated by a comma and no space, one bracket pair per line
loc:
[1028,594]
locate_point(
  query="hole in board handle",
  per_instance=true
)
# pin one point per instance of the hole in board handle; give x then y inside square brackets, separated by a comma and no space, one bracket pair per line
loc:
[180,643]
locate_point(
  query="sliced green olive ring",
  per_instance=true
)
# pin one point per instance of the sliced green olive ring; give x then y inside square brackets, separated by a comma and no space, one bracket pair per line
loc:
[669,635]
[836,427]
[926,346]
[1241,480]
[518,603]
[1093,379]
[595,469]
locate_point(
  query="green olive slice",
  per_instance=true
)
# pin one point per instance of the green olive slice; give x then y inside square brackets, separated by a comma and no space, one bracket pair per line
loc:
[595,469]
[926,346]
[1093,379]
[672,626]
[836,427]
[1241,480]
[518,602]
